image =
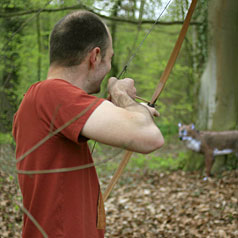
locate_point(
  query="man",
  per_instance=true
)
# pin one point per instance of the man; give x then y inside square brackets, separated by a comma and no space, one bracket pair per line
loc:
[66,204]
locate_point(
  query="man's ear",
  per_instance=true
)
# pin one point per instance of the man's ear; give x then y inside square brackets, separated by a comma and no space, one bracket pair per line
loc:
[95,56]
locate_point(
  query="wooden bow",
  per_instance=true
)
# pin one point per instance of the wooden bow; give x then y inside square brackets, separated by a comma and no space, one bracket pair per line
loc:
[157,92]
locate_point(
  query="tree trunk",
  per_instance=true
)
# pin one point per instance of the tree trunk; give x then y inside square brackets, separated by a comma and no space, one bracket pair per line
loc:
[218,99]
[218,109]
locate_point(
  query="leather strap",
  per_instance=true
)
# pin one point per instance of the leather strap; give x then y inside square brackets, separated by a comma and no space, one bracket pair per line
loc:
[101,216]
[156,94]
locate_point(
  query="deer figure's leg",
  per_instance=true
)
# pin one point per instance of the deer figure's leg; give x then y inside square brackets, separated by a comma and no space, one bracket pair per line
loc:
[209,160]
[236,155]
[236,163]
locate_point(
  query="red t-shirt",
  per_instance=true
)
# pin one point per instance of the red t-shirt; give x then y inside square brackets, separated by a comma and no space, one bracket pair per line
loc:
[64,204]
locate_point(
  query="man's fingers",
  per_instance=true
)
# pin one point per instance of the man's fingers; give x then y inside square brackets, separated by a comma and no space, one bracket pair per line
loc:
[152,110]
[156,113]
[126,85]
[111,82]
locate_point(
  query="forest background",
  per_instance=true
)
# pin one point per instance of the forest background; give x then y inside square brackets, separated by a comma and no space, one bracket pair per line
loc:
[202,89]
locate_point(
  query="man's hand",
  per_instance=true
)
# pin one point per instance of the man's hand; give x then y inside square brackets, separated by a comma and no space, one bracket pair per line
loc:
[122,87]
[122,92]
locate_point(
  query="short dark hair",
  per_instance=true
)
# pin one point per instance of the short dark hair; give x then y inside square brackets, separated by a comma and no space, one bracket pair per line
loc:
[75,35]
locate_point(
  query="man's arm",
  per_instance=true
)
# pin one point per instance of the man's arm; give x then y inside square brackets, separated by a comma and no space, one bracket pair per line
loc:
[123,122]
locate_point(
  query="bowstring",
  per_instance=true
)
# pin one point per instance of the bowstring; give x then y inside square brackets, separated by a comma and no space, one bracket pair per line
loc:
[142,42]
[124,69]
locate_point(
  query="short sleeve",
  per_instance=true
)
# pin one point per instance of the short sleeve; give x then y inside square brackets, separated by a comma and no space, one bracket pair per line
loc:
[60,103]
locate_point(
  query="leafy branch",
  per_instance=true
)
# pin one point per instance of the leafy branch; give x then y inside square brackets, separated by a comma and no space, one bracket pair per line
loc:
[82,6]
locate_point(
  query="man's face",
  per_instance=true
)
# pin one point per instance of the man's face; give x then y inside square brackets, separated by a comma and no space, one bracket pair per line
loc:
[107,60]
[104,67]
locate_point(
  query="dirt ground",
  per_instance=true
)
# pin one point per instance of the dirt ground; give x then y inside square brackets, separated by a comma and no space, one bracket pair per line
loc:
[152,204]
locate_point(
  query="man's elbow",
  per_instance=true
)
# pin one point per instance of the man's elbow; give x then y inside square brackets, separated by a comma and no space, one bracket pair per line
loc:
[160,143]
[156,144]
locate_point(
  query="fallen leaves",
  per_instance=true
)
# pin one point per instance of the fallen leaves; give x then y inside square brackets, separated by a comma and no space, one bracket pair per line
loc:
[174,205]
[10,214]
[152,205]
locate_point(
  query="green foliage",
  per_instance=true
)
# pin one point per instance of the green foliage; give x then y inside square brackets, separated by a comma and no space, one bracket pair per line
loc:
[201,50]
[177,100]
[168,129]
[193,161]
[158,163]
[6,138]
[175,103]
[232,162]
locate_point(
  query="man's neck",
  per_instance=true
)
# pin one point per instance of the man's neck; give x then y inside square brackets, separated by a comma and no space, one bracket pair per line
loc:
[75,75]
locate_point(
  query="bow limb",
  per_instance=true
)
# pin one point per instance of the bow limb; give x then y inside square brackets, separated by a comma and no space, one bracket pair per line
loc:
[174,54]
[117,174]
[157,92]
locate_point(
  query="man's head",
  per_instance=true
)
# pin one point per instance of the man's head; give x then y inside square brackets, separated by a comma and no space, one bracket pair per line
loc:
[74,36]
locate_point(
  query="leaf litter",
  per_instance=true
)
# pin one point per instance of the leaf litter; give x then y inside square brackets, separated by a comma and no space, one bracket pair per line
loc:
[151,204]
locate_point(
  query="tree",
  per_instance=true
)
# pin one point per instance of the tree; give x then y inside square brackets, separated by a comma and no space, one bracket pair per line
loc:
[218,96]
[9,68]
[219,82]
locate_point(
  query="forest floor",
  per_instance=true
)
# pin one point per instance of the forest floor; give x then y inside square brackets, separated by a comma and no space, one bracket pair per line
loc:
[151,204]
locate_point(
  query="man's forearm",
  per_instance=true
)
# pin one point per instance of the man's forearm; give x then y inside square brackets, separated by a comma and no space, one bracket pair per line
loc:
[123,100]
